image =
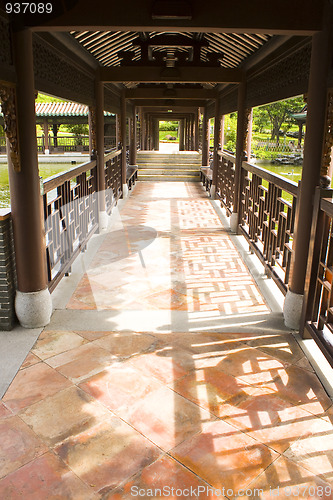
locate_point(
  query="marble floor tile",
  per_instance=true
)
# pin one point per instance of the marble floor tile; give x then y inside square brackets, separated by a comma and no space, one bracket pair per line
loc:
[30,360]
[50,343]
[127,344]
[119,387]
[32,385]
[165,478]
[44,478]
[224,456]
[166,418]
[82,362]
[107,454]
[283,347]
[285,479]
[65,414]
[19,445]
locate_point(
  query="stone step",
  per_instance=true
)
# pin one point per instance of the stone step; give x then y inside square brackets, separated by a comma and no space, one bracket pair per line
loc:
[184,166]
[165,171]
[165,178]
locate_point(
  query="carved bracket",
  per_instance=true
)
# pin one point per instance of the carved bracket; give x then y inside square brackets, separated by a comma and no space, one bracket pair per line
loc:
[8,105]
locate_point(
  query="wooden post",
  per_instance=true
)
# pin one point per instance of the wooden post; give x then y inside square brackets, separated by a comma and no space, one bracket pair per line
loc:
[46,137]
[217,134]
[240,153]
[313,151]
[205,139]
[33,301]
[196,130]
[132,155]
[181,134]
[123,143]
[99,95]
[222,132]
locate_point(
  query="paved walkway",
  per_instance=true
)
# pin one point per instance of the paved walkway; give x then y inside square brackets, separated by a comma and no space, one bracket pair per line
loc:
[164,367]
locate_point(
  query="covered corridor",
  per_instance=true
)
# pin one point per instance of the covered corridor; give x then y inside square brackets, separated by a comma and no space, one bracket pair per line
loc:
[165,365]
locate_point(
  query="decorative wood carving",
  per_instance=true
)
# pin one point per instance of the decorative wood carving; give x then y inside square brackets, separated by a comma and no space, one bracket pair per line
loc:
[325,180]
[8,105]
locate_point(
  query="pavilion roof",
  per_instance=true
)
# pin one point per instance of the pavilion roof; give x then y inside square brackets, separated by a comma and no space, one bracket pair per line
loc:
[44,109]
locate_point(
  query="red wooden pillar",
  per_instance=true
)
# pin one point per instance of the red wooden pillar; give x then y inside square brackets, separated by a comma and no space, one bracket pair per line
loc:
[33,301]
[313,149]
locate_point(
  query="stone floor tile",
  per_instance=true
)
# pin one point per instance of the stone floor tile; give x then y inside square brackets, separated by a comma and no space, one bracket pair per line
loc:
[285,480]
[34,384]
[67,413]
[166,418]
[224,456]
[127,344]
[107,454]
[82,362]
[52,342]
[120,386]
[252,366]
[300,387]
[165,478]
[30,360]
[91,335]
[4,411]
[19,445]
[167,364]
[44,478]
[212,390]
[315,452]
[273,421]
[283,347]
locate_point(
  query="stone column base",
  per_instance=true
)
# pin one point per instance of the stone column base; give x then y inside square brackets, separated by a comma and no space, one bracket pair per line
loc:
[125,191]
[103,222]
[292,310]
[33,309]
[234,222]
[213,192]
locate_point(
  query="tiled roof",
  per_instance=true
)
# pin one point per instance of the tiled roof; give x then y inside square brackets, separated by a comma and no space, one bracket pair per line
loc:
[63,109]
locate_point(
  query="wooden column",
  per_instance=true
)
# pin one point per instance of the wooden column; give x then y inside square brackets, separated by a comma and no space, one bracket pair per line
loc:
[222,132]
[99,95]
[240,151]
[181,135]
[249,134]
[117,117]
[313,148]
[46,136]
[205,139]
[196,130]
[92,132]
[123,142]
[133,146]
[313,153]
[217,134]
[156,138]
[33,301]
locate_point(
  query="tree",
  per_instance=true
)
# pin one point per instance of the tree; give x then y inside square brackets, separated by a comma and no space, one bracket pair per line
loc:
[278,114]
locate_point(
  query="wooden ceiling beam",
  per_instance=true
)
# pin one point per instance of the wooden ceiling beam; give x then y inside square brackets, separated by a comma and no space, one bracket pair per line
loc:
[170,103]
[299,17]
[162,93]
[146,74]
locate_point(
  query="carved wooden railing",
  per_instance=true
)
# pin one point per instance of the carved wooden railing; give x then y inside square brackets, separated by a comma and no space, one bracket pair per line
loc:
[70,202]
[71,217]
[317,316]
[113,183]
[225,185]
[267,215]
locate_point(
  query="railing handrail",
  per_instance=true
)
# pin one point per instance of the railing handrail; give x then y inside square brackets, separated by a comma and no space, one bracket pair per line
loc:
[227,156]
[326,205]
[58,179]
[111,155]
[281,182]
